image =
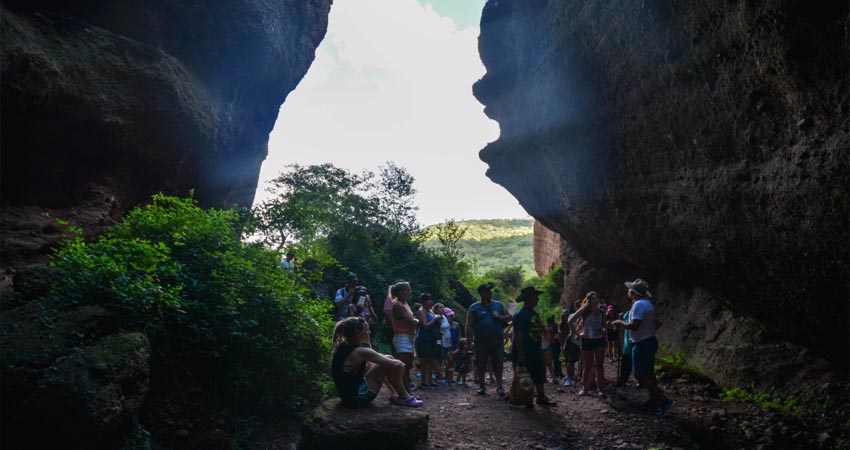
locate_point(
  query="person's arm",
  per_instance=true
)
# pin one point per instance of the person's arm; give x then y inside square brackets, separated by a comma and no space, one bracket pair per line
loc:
[470,323]
[369,306]
[519,346]
[631,325]
[423,319]
[364,353]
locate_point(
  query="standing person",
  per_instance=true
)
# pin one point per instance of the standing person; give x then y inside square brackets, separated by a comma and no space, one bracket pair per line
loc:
[485,321]
[446,340]
[404,327]
[427,335]
[528,335]
[557,344]
[344,296]
[361,306]
[587,322]
[642,325]
[612,333]
[547,342]
[626,355]
[358,372]
[287,264]
[571,347]
[387,310]
[462,361]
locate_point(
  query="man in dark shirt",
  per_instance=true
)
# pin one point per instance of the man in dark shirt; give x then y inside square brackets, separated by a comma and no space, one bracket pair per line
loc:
[484,330]
[528,331]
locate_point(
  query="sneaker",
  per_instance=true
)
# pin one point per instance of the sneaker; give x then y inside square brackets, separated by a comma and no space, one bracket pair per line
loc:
[410,401]
[459,383]
[500,391]
[665,408]
[582,392]
[600,394]
[442,381]
[482,390]
[568,382]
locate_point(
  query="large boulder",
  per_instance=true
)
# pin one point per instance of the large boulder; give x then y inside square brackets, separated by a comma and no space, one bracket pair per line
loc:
[372,428]
[702,143]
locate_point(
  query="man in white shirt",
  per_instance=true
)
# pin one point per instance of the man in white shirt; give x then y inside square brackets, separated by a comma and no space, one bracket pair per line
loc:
[642,326]
[344,296]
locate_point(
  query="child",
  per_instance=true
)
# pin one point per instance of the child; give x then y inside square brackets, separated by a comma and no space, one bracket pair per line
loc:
[462,362]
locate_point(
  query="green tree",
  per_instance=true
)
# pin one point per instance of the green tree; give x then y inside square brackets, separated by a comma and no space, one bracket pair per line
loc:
[450,235]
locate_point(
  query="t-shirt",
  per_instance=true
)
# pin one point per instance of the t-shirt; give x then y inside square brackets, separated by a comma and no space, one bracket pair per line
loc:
[446,331]
[484,324]
[527,324]
[644,311]
[591,327]
[342,313]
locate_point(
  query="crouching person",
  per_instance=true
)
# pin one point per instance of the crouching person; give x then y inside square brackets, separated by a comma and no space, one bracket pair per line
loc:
[358,372]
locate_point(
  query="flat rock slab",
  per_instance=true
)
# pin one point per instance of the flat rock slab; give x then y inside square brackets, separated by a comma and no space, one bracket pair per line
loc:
[381,425]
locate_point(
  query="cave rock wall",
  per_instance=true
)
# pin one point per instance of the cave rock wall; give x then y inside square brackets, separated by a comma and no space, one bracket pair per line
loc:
[158,96]
[700,143]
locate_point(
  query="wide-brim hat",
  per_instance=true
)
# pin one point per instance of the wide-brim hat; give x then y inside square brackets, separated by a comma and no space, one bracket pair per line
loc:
[527,292]
[486,287]
[639,287]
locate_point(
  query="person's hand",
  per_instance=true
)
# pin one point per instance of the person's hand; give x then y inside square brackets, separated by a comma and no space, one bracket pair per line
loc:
[398,364]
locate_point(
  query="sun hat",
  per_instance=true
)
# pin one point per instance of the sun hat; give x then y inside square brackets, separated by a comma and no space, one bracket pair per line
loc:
[351,276]
[448,311]
[610,308]
[639,287]
[485,287]
[527,292]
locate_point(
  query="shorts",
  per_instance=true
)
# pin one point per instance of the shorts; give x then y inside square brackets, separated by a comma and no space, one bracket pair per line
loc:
[573,352]
[592,344]
[403,343]
[363,397]
[547,350]
[489,347]
[643,356]
[428,348]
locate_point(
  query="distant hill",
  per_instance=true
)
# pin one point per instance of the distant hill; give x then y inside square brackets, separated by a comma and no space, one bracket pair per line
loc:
[496,243]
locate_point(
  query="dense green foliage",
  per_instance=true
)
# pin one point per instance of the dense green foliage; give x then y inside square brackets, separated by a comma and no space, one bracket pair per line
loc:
[210,304]
[494,244]
[357,222]
[767,400]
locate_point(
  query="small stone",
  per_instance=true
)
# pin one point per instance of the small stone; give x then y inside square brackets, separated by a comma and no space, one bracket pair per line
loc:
[698,398]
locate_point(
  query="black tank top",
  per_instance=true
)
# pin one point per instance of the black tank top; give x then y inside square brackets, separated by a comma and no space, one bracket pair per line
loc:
[346,383]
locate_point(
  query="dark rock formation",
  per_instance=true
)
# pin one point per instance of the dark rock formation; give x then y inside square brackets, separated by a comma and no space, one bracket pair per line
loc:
[68,382]
[373,427]
[164,96]
[703,145]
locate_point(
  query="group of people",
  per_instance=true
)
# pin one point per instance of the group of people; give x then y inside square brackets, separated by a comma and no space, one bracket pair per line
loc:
[433,335]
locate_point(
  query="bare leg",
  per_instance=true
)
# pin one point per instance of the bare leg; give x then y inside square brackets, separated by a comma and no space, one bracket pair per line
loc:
[599,359]
[407,359]
[587,366]
[375,376]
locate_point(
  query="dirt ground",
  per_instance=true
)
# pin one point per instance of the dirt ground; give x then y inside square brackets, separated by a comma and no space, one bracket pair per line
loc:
[462,419]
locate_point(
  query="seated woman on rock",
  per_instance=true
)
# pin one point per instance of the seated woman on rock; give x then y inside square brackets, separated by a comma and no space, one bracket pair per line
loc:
[359,372]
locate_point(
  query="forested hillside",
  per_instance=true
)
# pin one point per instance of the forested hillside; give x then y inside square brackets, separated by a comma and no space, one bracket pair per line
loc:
[494,244]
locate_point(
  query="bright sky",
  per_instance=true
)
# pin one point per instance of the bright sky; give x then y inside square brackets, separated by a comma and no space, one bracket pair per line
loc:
[392,81]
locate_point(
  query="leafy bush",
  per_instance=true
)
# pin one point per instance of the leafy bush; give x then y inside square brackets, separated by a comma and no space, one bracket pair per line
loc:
[212,305]
[767,400]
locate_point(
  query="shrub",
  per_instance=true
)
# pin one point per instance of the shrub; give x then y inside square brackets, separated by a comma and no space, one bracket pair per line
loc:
[211,304]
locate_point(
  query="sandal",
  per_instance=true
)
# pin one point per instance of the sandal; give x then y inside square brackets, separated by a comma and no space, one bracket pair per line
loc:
[600,394]
[582,392]
[409,401]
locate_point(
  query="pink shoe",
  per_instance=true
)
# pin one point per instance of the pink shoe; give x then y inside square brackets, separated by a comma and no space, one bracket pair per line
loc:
[600,394]
[582,392]
[410,401]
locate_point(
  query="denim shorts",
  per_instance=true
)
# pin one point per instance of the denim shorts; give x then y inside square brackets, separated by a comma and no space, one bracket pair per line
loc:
[643,355]
[363,397]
